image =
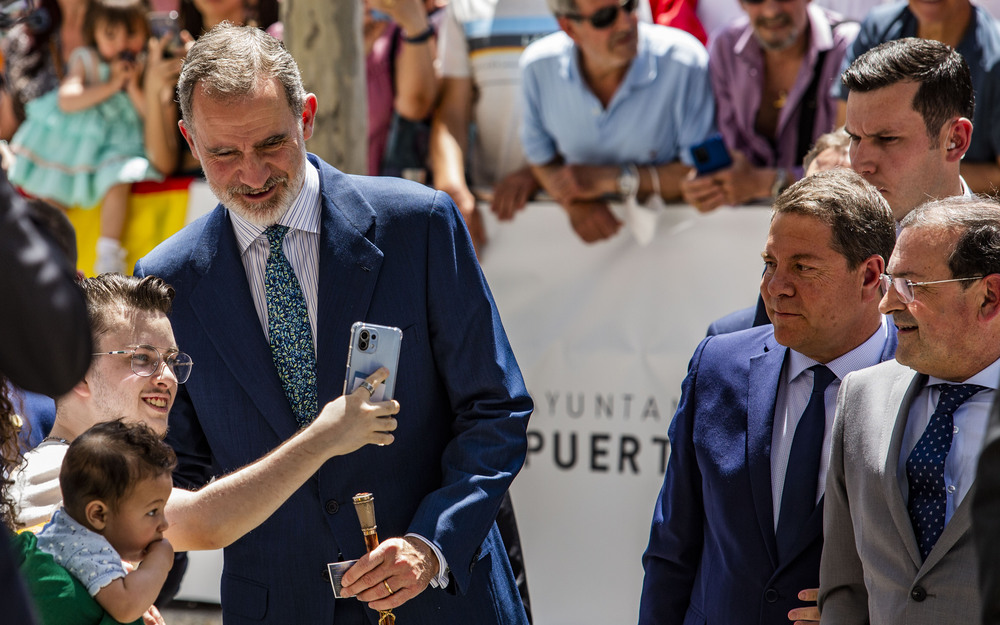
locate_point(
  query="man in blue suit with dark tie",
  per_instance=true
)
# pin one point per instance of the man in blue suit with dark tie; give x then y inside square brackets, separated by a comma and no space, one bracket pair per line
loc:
[267,288]
[737,527]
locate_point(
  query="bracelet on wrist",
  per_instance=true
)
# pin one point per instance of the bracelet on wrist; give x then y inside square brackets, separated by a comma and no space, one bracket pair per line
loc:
[421,37]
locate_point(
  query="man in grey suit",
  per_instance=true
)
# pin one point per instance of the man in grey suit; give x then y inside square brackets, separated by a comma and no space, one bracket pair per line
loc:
[898,546]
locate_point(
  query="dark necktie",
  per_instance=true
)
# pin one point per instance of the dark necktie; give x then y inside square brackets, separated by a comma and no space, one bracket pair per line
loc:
[925,466]
[798,497]
[288,330]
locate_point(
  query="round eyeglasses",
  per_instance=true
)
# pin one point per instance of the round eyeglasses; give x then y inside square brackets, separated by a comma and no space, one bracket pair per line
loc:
[904,287]
[146,361]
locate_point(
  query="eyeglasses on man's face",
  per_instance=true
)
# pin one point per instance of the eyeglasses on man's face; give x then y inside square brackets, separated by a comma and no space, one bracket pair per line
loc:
[602,18]
[146,361]
[904,287]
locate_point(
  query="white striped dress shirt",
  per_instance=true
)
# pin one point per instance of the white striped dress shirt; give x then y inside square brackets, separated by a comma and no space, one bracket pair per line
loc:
[301,246]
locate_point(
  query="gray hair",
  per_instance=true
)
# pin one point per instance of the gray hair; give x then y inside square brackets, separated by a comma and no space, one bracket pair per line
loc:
[229,61]
[976,219]
[563,7]
[856,212]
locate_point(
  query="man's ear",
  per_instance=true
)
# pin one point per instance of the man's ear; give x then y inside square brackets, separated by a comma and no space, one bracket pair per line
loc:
[567,26]
[871,269]
[309,115]
[958,139]
[989,308]
[96,513]
[82,388]
[189,138]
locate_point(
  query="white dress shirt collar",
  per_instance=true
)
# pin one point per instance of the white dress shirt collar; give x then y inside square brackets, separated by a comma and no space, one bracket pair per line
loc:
[304,213]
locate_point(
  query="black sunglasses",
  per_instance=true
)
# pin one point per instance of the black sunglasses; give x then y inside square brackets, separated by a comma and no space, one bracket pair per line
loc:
[602,18]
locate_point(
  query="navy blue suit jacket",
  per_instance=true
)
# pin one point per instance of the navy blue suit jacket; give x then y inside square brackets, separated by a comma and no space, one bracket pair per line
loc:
[393,253]
[712,555]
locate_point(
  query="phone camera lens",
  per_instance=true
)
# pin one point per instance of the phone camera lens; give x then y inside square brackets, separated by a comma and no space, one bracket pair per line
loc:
[364,335]
[363,344]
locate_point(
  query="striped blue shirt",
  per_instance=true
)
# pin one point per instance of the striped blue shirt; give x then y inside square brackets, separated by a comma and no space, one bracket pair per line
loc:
[301,247]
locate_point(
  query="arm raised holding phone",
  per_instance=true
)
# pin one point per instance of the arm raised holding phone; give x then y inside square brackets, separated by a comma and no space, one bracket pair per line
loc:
[229,507]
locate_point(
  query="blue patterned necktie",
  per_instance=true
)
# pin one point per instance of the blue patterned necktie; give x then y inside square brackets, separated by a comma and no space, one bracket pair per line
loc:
[288,330]
[925,466]
[798,497]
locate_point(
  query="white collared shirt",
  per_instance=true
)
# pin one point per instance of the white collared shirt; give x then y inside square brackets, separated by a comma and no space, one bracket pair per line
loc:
[301,247]
[794,390]
[970,420]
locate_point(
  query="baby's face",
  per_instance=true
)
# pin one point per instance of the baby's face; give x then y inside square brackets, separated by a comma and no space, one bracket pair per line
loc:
[139,519]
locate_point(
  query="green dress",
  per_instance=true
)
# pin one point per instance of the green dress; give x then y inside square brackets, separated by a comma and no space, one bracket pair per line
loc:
[75,158]
[59,598]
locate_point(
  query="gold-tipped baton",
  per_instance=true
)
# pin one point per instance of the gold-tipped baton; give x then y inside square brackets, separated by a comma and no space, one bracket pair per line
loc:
[364,505]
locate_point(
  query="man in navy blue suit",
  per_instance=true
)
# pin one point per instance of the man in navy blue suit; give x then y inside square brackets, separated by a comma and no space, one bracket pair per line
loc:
[355,249]
[737,527]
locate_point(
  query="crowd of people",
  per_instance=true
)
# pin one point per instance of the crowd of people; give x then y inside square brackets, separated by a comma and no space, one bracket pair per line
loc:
[866,371]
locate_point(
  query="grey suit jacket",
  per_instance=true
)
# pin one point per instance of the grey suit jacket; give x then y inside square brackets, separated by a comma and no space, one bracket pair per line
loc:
[871,570]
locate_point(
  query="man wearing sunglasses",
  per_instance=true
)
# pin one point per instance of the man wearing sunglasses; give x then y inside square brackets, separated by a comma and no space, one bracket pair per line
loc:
[610,106]
[737,528]
[134,375]
[908,432]
[771,73]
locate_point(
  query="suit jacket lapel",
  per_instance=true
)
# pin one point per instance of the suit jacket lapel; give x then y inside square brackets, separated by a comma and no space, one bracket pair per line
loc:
[957,526]
[222,303]
[905,386]
[765,373]
[348,270]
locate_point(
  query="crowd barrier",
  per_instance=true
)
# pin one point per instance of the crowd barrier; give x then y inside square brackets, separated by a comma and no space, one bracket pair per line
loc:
[603,334]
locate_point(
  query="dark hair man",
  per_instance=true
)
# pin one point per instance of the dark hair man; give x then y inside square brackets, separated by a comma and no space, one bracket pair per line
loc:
[737,527]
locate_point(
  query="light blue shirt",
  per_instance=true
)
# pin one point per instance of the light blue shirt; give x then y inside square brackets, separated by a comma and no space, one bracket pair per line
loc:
[794,390]
[87,555]
[301,247]
[663,106]
[970,421]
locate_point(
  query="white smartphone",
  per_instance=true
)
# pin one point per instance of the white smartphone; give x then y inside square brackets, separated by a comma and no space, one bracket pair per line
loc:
[373,346]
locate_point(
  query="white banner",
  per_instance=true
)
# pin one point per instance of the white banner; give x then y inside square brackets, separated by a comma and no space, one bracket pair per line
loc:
[603,334]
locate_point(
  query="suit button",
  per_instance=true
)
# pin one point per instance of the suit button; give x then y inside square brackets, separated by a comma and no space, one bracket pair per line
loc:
[918,593]
[770,595]
[332,506]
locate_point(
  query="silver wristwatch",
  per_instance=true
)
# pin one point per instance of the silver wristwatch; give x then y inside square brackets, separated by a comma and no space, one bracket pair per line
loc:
[628,181]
